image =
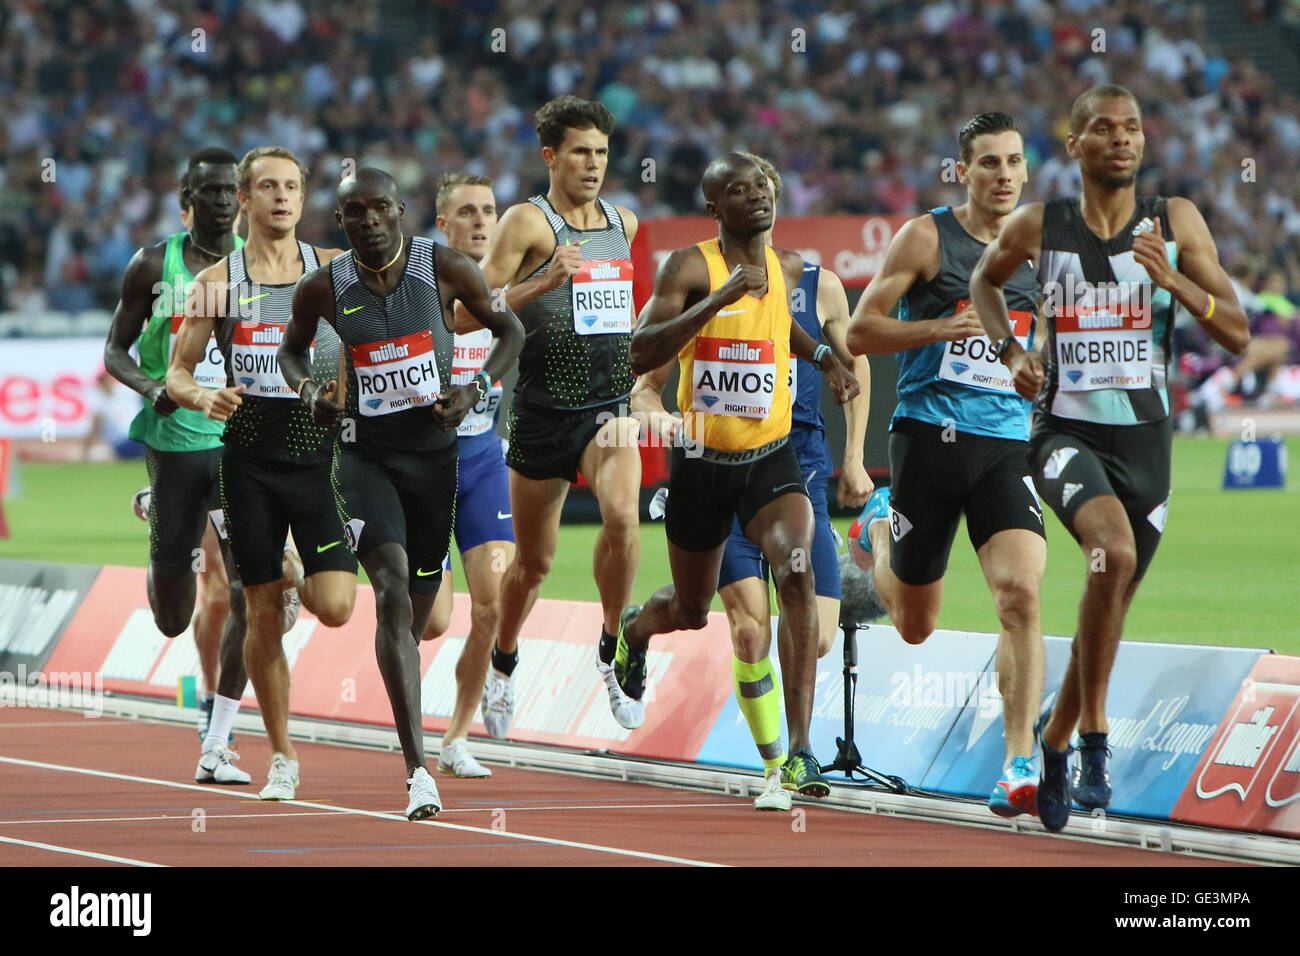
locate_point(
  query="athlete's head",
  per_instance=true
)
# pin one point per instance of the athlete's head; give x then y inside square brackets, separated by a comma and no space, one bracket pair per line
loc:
[737,194]
[1106,136]
[467,213]
[271,183]
[208,188]
[992,165]
[574,134]
[370,211]
[773,182]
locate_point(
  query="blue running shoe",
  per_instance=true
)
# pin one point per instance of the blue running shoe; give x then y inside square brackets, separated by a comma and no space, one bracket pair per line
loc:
[1091,788]
[876,508]
[1016,791]
[1053,797]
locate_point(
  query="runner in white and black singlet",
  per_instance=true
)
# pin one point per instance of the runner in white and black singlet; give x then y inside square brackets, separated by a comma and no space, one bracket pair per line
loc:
[395,465]
[1111,267]
[275,471]
[566,258]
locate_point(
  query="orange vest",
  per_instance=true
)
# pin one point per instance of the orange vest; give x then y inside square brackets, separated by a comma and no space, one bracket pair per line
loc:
[734,392]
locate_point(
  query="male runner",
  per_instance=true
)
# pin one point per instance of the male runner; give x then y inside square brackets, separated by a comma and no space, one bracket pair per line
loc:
[467,216]
[395,466]
[742,581]
[732,335]
[567,259]
[275,471]
[183,446]
[958,436]
[1100,445]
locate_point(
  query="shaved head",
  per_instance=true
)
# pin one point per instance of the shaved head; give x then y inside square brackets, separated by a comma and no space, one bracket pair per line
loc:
[721,171]
[368,181]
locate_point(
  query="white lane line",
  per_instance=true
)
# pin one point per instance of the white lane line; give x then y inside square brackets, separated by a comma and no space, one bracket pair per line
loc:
[86,853]
[394,815]
[214,815]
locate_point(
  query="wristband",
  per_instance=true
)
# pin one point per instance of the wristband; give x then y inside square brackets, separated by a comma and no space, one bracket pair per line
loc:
[486,379]
[303,384]
[820,353]
[1209,308]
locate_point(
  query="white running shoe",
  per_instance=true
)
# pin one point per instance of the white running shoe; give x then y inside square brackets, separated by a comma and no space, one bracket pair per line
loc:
[424,800]
[498,703]
[773,797]
[456,760]
[282,781]
[218,766]
[628,711]
[141,501]
[292,608]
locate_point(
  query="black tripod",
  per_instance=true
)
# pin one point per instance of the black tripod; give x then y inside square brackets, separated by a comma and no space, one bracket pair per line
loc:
[847,759]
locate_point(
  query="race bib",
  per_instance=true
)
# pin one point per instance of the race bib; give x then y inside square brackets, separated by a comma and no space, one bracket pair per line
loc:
[1103,346]
[210,372]
[252,357]
[733,377]
[467,360]
[395,374]
[602,297]
[968,361]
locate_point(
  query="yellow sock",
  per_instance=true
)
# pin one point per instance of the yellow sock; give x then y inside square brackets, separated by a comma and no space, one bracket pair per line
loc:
[759,697]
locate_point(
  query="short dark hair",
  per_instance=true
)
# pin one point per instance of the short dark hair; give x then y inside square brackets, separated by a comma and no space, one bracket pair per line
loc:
[1081,111]
[570,112]
[978,125]
[449,182]
[215,155]
[768,170]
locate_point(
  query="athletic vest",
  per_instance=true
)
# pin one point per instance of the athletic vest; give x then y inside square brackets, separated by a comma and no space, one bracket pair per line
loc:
[398,350]
[577,335]
[957,384]
[733,391]
[806,378]
[272,423]
[184,429]
[478,432]
[1108,324]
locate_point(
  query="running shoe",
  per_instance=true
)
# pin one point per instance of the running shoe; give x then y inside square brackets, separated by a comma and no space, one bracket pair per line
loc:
[218,766]
[282,781]
[1053,797]
[629,713]
[1091,786]
[1016,790]
[423,797]
[456,760]
[629,665]
[803,773]
[140,502]
[876,509]
[498,703]
[774,796]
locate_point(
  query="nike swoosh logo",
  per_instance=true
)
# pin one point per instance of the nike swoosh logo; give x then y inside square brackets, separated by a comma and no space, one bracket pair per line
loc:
[243,301]
[320,548]
[421,573]
[731,312]
[503,515]
[793,484]
[355,308]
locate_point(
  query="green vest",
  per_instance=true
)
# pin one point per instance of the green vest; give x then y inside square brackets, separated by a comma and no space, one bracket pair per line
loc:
[183,429]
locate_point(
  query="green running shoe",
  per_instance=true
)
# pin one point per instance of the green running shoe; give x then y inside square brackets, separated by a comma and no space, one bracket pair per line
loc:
[802,773]
[629,665]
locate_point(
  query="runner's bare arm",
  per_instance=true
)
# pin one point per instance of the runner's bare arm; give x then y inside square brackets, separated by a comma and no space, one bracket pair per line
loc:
[844,386]
[523,242]
[313,300]
[207,300]
[140,289]
[1198,275]
[648,399]
[1020,241]
[469,286]
[681,305]
[855,484]
[630,223]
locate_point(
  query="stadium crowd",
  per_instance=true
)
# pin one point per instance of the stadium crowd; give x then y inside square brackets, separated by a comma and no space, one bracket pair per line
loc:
[857,101]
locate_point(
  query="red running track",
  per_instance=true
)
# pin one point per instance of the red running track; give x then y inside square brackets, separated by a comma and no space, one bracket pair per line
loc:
[111,791]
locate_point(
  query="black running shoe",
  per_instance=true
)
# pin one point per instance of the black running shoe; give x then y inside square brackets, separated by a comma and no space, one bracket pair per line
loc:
[1054,786]
[1091,788]
[803,774]
[629,665]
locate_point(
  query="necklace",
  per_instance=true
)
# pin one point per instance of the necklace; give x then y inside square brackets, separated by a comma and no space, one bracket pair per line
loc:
[400,246]
[194,242]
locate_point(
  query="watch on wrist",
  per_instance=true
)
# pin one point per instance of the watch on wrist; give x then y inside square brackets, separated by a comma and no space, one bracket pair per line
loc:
[999,348]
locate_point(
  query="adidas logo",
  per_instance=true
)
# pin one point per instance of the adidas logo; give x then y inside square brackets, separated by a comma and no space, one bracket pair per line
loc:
[1071,489]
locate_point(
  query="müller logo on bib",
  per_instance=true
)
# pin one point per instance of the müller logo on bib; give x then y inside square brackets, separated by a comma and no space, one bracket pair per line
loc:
[395,374]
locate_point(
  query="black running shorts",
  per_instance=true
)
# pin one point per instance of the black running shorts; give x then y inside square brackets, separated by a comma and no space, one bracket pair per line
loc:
[184,492]
[406,499]
[263,500]
[705,496]
[936,475]
[1074,462]
[546,443]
